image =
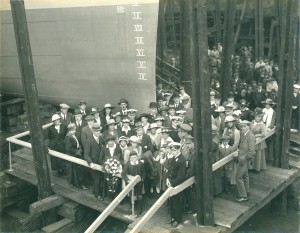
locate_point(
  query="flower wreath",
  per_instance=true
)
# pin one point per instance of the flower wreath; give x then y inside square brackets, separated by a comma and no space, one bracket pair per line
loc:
[113,166]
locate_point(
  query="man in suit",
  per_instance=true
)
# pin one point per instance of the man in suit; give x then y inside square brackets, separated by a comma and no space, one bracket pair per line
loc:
[152,111]
[259,95]
[66,117]
[92,152]
[111,150]
[79,123]
[246,153]
[86,130]
[82,109]
[176,175]
[176,101]
[132,117]
[123,105]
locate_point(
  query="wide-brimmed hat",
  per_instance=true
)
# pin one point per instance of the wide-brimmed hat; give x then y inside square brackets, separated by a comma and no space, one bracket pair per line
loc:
[134,139]
[123,138]
[176,145]
[237,112]
[167,94]
[297,86]
[146,115]
[181,112]
[228,108]
[94,110]
[125,120]
[108,105]
[159,118]
[268,101]
[65,106]
[123,100]
[55,117]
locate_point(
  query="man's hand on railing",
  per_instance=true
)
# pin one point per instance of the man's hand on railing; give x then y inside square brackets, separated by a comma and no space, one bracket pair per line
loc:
[169,183]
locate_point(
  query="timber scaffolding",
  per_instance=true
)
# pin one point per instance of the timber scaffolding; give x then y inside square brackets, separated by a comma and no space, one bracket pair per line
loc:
[229,215]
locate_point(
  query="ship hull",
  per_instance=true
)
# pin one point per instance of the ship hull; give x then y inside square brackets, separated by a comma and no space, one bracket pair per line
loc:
[89,50]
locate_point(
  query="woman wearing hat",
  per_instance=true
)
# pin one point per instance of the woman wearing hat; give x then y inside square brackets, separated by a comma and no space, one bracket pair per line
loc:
[269,114]
[144,119]
[111,130]
[56,134]
[106,113]
[73,148]
[259,130]
[126,130]
[231,131]
[134,145]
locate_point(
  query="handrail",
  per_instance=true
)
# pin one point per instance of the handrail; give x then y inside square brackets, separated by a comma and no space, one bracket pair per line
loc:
[113,204]
[173,191]
[167,64]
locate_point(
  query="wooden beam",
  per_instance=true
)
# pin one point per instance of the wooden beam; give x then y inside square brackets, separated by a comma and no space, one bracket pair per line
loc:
[57,226]
[241,18]
[261,28]
[46,204]
[228,47]
[201,107]
[32,103]
[271,39]
[218,21]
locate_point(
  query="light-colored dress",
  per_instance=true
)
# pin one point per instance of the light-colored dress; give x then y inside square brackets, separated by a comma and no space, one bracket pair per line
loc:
[259,130]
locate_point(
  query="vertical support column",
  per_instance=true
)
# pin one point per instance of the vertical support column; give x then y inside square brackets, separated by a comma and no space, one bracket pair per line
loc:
[218,21]
[202,122]
[236,37]
[228,47]
[162,28]
[39,150]
[261,28]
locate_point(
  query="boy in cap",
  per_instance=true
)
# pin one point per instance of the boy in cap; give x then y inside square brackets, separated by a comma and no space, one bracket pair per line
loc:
[245,153]
[66,117]
[226,171]
[92,149]
[135,167]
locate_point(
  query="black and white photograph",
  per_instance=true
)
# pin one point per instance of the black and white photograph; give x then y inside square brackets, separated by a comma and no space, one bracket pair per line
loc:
[150,116]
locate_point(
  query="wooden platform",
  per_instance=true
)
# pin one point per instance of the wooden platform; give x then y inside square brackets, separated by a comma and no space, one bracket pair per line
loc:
[229,214]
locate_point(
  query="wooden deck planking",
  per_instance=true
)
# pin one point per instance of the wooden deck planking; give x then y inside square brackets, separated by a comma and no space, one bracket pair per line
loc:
[228,214]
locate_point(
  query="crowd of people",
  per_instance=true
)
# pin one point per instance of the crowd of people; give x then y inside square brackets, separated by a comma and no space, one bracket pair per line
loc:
[158,145]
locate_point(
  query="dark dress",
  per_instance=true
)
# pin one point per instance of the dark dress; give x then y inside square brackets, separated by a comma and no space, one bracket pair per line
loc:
[217,180]
[74,171]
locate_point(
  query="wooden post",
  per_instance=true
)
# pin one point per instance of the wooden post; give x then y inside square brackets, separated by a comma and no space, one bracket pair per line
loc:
[185,43]
[261,28]
[202,115]
[228,47]
[39,150]
[218,21]
[241,18]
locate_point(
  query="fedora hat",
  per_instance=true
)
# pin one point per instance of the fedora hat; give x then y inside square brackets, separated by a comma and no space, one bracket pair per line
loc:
[123,100]
[94,110]
[96,127]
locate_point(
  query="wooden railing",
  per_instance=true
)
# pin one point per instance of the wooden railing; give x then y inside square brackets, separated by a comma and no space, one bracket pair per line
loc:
[175,190]
[113,204]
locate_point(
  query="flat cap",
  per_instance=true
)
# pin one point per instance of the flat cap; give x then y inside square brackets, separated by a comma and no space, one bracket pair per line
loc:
[185,127]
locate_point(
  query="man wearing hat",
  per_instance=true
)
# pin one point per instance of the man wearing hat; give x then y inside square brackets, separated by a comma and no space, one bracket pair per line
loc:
[175,121]
[184,130]
[160,102]
[246,113]
[176,175]
[123,105]
[167,97]
[126,130]
[159,90]
[55,139]
[152,111]
[259,95]
[131,113]
[79,124]
[82,108]
[231,131]
[86,130]
[184,95]
[230,101]
[95,113]
[219,121]
[66,117]
[176,102]
[135,167]
[245,153]
[92,150]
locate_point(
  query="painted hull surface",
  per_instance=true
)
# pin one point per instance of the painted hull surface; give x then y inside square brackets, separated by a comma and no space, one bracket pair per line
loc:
[98,51]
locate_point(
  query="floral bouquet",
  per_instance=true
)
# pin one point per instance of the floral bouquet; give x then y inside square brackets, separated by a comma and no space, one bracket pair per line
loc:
[112,167]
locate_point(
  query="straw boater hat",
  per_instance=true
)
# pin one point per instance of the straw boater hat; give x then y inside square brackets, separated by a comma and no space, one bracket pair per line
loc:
[173,118]
[131,111]
[181,112]
[245,122]
[159,118]
[108,105]
[229,119]
[134,139]
[55,117]
[268,101]
[96,127]
[220,109]
[153,126]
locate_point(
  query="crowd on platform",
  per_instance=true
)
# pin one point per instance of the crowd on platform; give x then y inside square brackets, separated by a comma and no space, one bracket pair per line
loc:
[158,145]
